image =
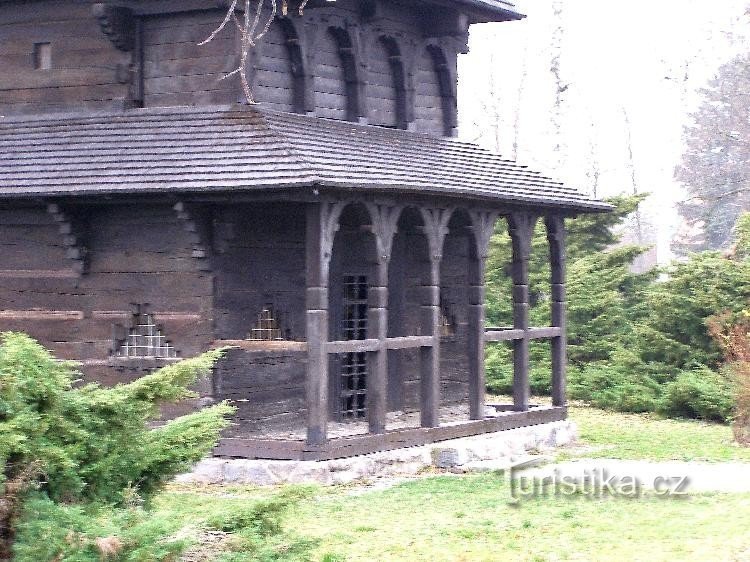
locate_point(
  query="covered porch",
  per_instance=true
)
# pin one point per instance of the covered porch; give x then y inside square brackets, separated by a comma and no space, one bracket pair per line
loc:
[378,273]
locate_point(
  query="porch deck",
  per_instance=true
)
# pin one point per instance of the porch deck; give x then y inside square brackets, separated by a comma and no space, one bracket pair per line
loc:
[351,439]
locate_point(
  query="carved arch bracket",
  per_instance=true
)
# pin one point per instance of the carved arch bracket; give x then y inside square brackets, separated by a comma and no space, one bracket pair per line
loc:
[556,238]
[385,225]
[73,233]
[436,229]
[521,230]
[330,213]
[483,226]
[117,23]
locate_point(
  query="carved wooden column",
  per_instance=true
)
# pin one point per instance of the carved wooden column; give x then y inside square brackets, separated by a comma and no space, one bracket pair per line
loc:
[483,225]
[436,229]
[322,223]
[521,230]
[384,224]
[556,238]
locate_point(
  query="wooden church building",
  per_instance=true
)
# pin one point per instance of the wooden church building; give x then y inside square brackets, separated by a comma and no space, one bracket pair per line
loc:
[334,234]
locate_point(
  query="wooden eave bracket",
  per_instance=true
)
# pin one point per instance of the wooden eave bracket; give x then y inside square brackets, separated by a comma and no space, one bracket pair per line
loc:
[197,223]
[117,23]
[73,238]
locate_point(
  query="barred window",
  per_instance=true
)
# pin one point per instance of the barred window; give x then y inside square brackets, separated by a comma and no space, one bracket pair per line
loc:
[267,326]
[145,339]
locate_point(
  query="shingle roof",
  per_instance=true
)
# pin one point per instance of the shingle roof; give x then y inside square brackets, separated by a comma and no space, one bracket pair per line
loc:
[240,148]
[504,8]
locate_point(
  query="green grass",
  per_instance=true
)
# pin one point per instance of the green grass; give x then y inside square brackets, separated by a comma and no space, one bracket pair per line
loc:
[645,436]
[472,518]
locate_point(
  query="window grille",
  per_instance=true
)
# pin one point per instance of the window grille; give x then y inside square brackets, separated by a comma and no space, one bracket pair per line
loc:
[145,339]
[267,327]
[354,323]
[353,370]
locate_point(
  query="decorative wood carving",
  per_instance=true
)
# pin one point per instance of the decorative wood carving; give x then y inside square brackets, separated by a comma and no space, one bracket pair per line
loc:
[556,238]
[521,229]
[73,237]
[483,226]
[117,23]
[329,223]
[436,229]
[197,224]
[385,224]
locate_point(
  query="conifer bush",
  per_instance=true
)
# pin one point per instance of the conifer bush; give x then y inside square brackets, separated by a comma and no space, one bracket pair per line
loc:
[90,446]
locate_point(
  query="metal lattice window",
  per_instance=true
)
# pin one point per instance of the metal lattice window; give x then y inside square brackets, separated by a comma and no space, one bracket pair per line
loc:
[353,391]
[353,373]
[145,339]
[354,323]
[267,327]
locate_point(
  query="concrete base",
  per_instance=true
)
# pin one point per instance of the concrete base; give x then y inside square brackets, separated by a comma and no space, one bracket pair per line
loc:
[489,451]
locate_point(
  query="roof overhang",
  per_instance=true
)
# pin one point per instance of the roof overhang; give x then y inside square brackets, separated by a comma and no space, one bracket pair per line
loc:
[240,149]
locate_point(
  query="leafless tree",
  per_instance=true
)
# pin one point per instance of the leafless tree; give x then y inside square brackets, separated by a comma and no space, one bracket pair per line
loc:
[248,26]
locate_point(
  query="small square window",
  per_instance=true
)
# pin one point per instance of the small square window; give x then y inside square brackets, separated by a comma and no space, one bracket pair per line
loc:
[42,56]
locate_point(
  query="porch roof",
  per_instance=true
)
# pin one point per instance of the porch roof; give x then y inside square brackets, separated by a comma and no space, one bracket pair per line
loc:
[239,148]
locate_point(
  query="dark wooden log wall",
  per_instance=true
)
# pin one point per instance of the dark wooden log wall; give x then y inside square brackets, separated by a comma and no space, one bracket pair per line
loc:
[277,68]
[335,62]
[87,71]
[135,254]
[259,261]
[178,71]
[264,386]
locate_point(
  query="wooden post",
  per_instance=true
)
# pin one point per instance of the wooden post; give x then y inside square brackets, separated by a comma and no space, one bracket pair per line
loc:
[521,230]
[385,223]
[556,238]
[429,357]
[483,225]
[377,379]
[322,223]
[435,229]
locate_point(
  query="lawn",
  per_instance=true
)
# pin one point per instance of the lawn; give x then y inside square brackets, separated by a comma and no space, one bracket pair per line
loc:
[470,518]
[473,517]
[645,436]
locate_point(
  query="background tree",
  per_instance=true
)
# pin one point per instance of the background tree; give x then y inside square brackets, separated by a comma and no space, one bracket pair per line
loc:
[715,168]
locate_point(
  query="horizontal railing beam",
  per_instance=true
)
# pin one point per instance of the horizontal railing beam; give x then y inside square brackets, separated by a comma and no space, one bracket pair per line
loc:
[503,335]
[352,346]
[508,334]
[409,342]
[541,333]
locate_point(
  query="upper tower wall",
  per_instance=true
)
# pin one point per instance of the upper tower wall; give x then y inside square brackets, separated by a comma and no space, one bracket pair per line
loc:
[383,62]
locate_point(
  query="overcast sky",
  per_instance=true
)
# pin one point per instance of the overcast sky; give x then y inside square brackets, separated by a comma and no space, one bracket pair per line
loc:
[642,61]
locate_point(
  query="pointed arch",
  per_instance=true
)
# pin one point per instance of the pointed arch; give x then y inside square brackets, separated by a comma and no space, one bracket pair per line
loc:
[387,84]
[280,76]
[435,101]
[337,83]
